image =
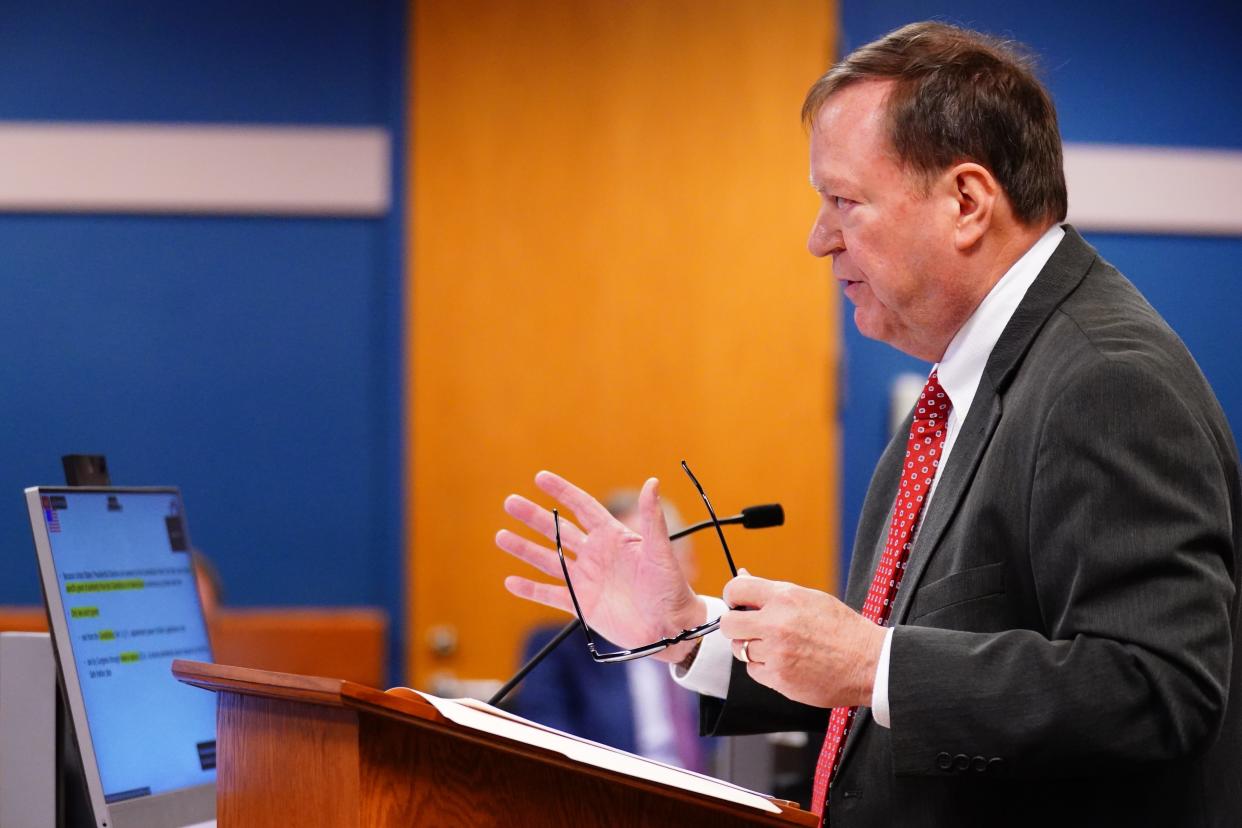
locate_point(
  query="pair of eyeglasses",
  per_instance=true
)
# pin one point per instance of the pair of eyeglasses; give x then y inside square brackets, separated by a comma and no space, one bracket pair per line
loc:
[662,644]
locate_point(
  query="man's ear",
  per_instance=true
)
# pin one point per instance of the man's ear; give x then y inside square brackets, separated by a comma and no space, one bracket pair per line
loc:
[976,193]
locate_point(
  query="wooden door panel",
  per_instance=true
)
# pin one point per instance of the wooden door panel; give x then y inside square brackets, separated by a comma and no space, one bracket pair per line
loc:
[608,273]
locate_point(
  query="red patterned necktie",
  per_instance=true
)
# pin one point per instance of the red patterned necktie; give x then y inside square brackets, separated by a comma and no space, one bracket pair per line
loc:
[923,450]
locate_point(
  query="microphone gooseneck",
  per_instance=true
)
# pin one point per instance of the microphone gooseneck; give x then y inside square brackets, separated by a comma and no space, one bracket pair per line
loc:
[752,517]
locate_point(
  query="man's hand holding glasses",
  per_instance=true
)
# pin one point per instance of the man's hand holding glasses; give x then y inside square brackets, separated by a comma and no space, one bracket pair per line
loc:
[803,643]
[628,586]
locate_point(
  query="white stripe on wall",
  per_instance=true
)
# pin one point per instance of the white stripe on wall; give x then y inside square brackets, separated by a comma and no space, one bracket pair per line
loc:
[1166,190]
[346,171]
[172,168]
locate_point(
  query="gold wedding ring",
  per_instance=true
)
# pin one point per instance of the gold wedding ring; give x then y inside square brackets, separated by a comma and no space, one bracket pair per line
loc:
[745,659]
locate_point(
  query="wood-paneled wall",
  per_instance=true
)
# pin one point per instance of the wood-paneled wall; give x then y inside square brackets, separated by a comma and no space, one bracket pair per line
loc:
[608,212]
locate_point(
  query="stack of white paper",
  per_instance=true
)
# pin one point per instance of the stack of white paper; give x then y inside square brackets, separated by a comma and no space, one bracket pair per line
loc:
[477,715]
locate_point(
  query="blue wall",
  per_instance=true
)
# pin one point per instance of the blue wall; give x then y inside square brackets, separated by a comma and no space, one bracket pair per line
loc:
[255,362]
[1130,73]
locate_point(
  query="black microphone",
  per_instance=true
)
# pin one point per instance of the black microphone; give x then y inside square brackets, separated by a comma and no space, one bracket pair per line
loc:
[763,516]
[752,517]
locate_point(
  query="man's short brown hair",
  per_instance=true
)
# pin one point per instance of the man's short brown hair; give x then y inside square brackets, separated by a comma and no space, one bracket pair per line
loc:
[962,96]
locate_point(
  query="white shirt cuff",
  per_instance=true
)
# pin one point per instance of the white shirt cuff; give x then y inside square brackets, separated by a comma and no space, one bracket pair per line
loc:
[709,674]
[879,692]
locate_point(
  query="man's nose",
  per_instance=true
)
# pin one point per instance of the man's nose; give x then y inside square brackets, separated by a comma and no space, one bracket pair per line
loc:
[825,237]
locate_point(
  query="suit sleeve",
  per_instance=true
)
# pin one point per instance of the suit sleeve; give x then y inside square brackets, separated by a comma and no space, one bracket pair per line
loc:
[753,708]
[1131,552]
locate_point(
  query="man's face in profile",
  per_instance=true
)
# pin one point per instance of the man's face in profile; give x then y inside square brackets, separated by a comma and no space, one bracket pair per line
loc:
[889,234]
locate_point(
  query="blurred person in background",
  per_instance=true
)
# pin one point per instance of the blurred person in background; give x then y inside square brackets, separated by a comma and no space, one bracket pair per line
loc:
[634,705]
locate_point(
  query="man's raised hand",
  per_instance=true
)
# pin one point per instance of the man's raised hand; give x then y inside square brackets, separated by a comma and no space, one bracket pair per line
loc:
[629,585]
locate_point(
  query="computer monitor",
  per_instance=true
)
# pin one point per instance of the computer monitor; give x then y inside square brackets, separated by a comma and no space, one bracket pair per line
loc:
[122,603]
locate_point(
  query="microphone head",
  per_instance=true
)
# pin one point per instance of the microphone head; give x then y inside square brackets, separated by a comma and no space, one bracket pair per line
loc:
[761,517]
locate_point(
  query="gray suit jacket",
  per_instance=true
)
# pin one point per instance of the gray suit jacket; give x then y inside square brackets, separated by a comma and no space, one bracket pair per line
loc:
[1068,626]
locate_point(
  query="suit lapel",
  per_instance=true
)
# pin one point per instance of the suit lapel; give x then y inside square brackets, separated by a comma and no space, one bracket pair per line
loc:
[1060,276]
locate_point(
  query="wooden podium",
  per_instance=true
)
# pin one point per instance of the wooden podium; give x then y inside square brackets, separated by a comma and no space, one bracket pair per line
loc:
[302,750]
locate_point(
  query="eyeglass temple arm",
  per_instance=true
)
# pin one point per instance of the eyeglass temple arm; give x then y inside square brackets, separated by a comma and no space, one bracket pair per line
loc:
[715,520]
[565,632]
[573,596]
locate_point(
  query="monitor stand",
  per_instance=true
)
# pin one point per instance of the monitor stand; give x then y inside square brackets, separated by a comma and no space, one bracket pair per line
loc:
[73,803]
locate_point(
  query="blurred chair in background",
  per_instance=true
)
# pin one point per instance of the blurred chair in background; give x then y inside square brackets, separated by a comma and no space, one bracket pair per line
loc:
[335,642]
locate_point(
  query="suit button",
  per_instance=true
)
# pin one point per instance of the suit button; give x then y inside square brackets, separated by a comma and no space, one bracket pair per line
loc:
[979,764]
[961,762]
[996,765]
[944,761]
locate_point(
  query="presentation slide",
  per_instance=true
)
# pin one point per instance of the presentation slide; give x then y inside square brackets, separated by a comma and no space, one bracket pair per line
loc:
[127,582]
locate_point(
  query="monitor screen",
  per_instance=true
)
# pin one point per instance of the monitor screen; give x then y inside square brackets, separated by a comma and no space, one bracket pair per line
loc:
[122,565]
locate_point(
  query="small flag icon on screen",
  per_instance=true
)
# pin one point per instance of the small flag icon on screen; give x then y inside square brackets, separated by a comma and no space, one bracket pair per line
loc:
[49,514]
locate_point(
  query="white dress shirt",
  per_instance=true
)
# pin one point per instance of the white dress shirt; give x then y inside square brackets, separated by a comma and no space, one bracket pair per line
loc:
[960,371]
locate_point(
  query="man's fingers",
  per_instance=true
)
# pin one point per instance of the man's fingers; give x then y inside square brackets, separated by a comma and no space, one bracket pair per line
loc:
[542,558]
[653,522]
[761,674]
[756,667]
[747,653]
[549,595]
[748,591]
[739,625]
[540,520]
[589,511]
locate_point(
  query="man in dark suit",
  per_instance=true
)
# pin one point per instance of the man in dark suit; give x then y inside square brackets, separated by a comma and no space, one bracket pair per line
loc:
[1041,622]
